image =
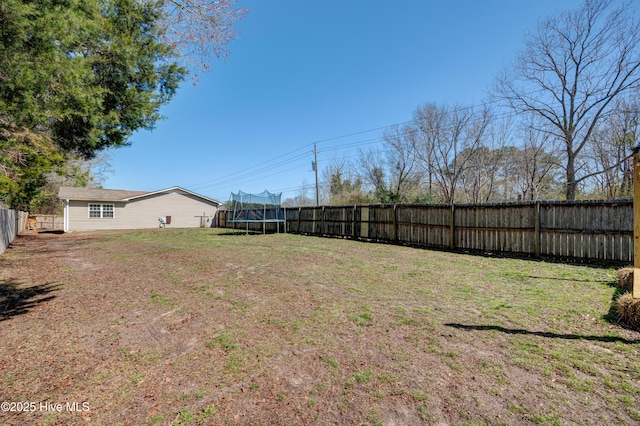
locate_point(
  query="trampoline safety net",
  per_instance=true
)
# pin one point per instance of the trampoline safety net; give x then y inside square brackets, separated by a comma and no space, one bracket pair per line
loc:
[264,207]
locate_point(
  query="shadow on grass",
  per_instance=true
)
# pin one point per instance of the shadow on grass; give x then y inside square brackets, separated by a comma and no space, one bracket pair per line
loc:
[237,232]
[612,316]
[16,300]
[535,277]
[547,334]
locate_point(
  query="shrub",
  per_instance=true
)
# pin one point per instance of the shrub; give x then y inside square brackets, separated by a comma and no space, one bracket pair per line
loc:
[625,278]
[628,310]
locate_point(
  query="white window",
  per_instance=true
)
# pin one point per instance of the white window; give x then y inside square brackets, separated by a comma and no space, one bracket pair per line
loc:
[101,210]
[107,210]
[95,210]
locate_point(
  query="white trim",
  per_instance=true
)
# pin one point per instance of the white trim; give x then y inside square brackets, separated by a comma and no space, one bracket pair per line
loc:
[101,211]
[174,188]
[65,226]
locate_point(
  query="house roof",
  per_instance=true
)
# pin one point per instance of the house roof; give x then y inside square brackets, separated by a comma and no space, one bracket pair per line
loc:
[93,194]
[173,188]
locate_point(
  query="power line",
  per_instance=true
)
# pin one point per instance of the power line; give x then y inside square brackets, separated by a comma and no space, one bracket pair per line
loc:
[272,166]
[241,182]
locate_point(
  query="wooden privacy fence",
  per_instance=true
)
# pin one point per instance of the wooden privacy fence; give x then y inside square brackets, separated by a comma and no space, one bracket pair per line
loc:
[586,230]
[49,222]
[223,219]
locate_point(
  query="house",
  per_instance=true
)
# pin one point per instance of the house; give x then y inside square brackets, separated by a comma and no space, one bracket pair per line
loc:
[89,209]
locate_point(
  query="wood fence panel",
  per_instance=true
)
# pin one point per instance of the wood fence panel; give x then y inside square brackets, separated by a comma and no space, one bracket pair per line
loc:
[588,230]
[221,218]
[426,225]
[22,221]
[49,222]
[292,215]
[308,218]
[381,223]
[338,221]
[496,228]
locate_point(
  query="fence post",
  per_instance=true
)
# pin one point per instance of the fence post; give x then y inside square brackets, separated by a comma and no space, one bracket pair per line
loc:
[353,219]
[364,222]
[395,223]
[322,226]
[452,231]
[314,223]
[536,229]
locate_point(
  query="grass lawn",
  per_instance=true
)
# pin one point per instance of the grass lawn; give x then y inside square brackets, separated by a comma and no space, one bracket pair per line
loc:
[199,326]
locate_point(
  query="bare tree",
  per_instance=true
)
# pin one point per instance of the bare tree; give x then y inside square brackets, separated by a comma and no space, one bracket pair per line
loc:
[343,185]
[404,170]
[392,172]
[199,29]
[479,177]
[371,168]
[445,134]
[302,198]
[571,71]
[610,152]
[428,122]
[534,166]
[480,180]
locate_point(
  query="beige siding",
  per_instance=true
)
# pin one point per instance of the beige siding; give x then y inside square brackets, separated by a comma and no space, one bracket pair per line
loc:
[144,213]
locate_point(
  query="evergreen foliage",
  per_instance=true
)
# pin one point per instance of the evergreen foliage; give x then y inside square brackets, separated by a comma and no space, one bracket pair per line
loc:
[76,77]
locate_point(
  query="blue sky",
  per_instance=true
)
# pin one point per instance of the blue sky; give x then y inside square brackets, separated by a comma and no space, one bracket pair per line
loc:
[335,72]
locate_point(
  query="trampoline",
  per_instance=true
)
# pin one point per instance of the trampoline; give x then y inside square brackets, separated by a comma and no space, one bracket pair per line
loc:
[262,208]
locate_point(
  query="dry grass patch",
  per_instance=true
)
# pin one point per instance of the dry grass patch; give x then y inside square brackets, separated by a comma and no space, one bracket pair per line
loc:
[198,326]
[628,310]
[625,278]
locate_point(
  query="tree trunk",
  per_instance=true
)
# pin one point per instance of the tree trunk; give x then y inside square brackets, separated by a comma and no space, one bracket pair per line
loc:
[571,177]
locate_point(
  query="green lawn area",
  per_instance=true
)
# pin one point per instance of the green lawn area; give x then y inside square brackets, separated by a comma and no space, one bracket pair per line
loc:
[201,326]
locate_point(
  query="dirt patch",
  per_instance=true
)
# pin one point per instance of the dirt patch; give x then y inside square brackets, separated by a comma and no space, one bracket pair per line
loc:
[197,327]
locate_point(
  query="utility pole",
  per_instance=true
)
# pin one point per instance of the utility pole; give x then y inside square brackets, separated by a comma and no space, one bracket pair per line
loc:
[315,168]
